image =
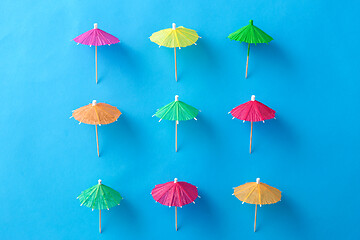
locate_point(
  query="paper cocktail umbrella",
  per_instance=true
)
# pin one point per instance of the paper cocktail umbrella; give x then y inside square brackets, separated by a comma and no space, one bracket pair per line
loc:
[100,197]
[96,37]
[250,34]
[177,111]
[257,193]
[252,111]
[97,114]
[175,194]
[175,37]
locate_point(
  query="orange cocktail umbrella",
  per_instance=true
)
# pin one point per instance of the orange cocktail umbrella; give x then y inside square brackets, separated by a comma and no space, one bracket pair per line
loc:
[97,114]
[257,193]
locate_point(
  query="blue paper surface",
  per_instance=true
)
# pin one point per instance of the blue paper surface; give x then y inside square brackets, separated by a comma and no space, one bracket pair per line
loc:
[309,74]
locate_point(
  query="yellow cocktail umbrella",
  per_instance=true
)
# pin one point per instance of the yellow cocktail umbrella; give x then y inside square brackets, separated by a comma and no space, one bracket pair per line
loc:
[257,193]
[175,37]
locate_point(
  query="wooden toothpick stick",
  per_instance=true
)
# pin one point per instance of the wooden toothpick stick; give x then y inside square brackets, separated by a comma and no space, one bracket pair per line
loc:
[96,64]
[100,220]
[255,217]
[175,63]
[251,135]
[247,61]
[97,140]
[176,123]
[176,218]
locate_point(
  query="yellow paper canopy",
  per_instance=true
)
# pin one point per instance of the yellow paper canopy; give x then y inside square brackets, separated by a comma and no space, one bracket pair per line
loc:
[175,37]
[257,193]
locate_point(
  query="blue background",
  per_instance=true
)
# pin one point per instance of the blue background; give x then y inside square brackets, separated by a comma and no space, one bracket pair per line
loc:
[309,74]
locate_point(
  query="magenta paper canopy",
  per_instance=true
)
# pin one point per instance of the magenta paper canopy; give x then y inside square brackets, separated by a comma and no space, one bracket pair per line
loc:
[253,111]
[175,194]
[96,37]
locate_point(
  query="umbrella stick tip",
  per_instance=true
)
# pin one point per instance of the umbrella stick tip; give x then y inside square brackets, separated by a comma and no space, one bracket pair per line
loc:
[95,27]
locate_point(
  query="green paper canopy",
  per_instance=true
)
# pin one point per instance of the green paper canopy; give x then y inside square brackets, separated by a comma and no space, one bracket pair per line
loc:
[250,34]
[177,111]
[100,197]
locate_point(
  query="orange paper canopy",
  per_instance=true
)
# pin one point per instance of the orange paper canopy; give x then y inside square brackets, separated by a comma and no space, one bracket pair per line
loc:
[97,114]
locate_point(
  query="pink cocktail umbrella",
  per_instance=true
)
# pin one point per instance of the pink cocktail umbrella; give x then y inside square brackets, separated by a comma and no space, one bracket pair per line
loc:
[175,194]
[252,111]
[96,37]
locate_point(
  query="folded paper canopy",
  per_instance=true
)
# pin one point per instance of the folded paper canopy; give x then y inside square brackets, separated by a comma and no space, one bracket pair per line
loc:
[257,193]
[252,111]
[177,111]
[175,37]
[175,194]
[96,37]
[100,197]
[97,114]
[250,34]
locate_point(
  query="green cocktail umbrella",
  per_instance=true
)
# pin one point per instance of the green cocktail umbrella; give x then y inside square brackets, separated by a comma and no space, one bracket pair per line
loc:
[177,111]
[250,34]
[100,197]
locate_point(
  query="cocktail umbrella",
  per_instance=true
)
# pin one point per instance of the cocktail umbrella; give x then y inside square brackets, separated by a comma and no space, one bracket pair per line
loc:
[252,111]
[175,37]
[100,197]
[97,114]
[177,111]
[175,194]
[257,193]
[250,34]
[96,37]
